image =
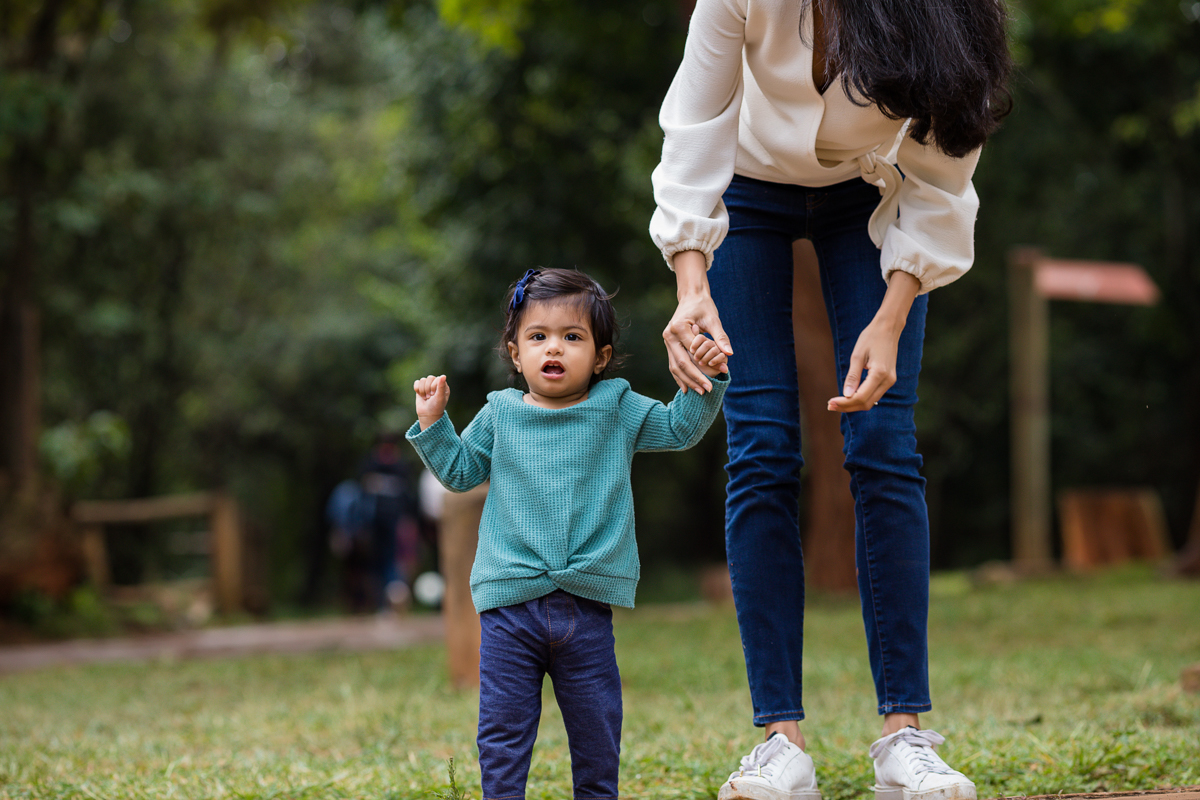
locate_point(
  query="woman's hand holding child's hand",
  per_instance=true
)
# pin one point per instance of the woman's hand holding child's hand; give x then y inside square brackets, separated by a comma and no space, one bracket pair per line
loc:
[707,354]
[433,392]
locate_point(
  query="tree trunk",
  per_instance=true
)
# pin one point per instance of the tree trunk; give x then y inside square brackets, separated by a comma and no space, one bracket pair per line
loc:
[20,350]
[829,537]
[20,330]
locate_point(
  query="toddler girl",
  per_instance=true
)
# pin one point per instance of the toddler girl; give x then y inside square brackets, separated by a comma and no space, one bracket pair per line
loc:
[556,541]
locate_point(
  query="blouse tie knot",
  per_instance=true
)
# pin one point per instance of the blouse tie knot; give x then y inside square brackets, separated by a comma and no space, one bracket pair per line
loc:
[880,172]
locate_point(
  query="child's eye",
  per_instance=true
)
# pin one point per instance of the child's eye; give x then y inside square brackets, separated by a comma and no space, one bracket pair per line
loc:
[572,337]
[537,337]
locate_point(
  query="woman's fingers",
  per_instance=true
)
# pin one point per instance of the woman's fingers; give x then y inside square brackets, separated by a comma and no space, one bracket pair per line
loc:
[854,374]
[879,379]
[717,332]
[712,326]
[706,351]
[676,337]
[695,315]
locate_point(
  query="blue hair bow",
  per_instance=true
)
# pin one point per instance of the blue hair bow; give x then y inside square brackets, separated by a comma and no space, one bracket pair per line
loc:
[519,292]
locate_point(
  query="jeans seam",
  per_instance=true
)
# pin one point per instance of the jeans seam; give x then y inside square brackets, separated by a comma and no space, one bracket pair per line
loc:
[883,660]
[570,630]
[862,507]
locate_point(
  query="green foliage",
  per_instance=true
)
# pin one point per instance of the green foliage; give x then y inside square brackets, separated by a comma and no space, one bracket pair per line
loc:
[210,230]
[83,613]
[79,454]
[257,223]
[498,23]
[27,105]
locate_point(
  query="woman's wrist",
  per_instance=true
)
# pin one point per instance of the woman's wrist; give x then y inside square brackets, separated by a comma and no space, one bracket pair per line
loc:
[691,274]
[902,290]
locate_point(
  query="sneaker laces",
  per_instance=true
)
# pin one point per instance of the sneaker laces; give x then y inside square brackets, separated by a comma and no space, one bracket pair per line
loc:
[916,750]
[762,755]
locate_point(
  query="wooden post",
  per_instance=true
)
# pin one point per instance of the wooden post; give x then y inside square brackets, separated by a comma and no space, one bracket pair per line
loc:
[1189,678]
[1101,527]
[457,538]
[226,530]
[829,535]
[95,557]
[1029,375]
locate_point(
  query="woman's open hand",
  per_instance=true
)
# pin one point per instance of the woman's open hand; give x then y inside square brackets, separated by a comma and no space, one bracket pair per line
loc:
[875,350]
[696,314]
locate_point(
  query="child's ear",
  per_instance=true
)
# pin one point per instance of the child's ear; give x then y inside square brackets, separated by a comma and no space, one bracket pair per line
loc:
[515,355]
[602,358]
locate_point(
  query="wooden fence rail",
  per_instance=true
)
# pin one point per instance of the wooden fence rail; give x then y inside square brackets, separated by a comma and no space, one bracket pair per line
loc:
[225,532]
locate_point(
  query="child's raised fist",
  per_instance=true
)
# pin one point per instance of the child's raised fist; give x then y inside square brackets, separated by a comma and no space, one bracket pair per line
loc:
[433,392]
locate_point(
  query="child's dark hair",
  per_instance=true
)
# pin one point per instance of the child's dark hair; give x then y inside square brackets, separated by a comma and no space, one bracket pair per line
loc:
[568,287]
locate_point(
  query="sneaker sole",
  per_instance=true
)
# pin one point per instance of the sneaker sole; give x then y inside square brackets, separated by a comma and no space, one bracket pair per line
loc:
[958,792]
[756,791]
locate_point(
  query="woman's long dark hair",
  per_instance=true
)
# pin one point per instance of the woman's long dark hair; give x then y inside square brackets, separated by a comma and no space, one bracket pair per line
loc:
[943,63]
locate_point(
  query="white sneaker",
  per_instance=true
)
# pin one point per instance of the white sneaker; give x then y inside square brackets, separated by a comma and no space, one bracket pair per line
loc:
[774,770]
[907,768]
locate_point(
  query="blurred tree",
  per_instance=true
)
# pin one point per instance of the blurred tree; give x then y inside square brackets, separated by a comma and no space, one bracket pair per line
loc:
[40,49]
[246,227]
[196,277]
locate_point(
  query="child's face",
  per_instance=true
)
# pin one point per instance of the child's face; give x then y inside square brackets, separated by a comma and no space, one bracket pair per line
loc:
[556,353]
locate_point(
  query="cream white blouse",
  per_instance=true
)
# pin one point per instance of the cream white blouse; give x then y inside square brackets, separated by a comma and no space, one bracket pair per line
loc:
[744,101]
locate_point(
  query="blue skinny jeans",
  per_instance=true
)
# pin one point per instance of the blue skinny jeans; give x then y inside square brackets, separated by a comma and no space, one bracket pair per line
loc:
[751,283]
[570,639]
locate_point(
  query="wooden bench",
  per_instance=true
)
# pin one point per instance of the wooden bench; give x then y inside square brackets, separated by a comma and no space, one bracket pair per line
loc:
[225,535]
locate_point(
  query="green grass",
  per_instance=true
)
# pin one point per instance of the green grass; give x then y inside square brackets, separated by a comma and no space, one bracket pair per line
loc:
[1061,685]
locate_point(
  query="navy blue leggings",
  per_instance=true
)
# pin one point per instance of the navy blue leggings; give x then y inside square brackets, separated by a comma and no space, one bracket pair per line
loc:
[570,639]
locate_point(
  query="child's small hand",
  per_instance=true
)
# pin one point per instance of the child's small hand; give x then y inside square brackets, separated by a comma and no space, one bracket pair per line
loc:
[707,355]
[433,392]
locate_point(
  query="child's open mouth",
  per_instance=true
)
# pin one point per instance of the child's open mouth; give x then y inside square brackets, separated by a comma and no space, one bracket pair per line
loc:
[553,368]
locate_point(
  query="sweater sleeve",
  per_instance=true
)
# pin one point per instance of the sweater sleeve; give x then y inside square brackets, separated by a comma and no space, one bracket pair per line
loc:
[458,463]
[699,119]
[677,425]
[934,237]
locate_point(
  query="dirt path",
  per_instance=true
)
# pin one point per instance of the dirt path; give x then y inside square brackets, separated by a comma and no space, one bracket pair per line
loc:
[347,634]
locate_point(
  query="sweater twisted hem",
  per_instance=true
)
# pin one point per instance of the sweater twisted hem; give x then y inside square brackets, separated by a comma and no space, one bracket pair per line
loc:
[616,590]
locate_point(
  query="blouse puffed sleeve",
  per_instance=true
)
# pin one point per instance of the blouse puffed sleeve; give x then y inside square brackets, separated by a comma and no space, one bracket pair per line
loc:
[934,236]
[699,119]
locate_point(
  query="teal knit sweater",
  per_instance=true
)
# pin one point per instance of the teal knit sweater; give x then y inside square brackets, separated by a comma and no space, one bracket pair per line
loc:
[559,511]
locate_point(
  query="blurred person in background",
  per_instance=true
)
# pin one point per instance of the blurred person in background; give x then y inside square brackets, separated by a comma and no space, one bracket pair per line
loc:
[387,482]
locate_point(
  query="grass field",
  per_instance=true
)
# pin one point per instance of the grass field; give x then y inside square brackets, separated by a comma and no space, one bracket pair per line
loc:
[1061,685]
